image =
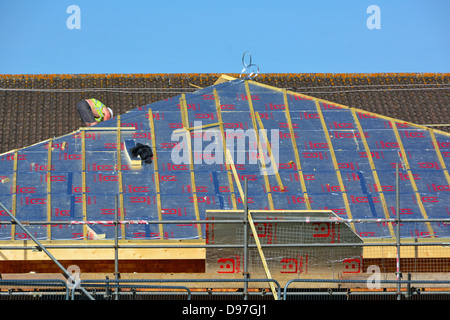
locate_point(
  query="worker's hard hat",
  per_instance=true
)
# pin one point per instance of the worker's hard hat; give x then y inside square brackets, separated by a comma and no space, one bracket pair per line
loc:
[110,112]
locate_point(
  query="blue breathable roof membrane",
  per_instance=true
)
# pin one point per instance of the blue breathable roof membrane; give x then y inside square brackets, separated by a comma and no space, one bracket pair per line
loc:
[340,159]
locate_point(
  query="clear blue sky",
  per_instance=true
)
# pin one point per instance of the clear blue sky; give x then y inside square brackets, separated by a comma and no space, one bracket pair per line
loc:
[146,36]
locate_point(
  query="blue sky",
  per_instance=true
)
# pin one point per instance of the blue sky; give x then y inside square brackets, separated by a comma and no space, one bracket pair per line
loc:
[146,36]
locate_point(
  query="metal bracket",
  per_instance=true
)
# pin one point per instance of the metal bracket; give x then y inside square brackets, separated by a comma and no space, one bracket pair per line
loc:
[250,70]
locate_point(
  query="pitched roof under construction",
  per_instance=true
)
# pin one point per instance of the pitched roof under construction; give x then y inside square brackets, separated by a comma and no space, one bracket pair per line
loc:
[329,156]
[327,162]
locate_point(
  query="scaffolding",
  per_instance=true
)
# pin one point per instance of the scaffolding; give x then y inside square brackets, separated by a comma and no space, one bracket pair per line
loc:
[326,196]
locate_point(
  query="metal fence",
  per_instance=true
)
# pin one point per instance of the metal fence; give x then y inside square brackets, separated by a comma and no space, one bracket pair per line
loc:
[34,290]
[328,289]
[314,257]
[129,290]
[224,289]
[328,264]
[139,289]
[179,289]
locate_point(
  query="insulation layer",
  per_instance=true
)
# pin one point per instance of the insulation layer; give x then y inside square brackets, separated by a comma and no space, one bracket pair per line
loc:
[323,156]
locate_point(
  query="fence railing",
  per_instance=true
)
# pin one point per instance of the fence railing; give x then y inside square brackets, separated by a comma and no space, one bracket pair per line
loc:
[304,246]
[332,289]
[181,289]
[224,289]
[34,290]
[130,290]
[138,289]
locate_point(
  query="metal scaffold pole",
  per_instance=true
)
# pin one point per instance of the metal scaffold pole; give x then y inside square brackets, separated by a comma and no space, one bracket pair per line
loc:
[397,208]
[116,244]
[246,274]
[42,248]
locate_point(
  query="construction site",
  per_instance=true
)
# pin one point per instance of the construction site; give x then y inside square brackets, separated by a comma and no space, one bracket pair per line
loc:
[267,187]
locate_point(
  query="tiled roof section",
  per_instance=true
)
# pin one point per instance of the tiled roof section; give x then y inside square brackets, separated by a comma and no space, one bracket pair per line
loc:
[37,107]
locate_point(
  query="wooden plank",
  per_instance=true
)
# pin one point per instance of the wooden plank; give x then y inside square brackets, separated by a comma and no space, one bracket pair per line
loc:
[269,151]
[106,253]
[419,252]
[49,188]
[296,153]
[261,254]
[224,78]
[185,116]
[35,144]
[121,215]
[439,155]
[14,194]
[83,177]
[389,119]
[272,211]
[252,225]
[252,111]
[258,143]
[224,145]
[205,126]
[135,162]
[98,128]
[335,164]
[374,172]
[404,159]
[236,176]
[155,166]
[101,268]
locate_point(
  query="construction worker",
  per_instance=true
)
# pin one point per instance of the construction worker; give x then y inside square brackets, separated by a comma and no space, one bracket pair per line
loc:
[93,111]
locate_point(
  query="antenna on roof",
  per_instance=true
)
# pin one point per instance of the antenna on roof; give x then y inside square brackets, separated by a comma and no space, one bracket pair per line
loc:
[250,70]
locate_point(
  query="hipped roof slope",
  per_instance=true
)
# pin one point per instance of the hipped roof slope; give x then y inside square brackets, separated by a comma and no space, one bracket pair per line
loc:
[37,107]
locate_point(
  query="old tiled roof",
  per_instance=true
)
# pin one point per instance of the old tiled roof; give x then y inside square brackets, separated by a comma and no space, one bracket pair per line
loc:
[37,107]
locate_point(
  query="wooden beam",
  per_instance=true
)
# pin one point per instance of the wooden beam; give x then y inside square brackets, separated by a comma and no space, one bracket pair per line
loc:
[439,155]
[269,151]
[119,173]
[49,187]
[296,153]
[404,159]
[155,166]
[98,128]
[14,194]
[335,164]
[261,254]
[224,78]
[183,109]
[252,225]
[374,172]
[185,118]
[83,177]
[224,145]
[236,176]
[210,125]
[258,143]
[346,107]
[106,253]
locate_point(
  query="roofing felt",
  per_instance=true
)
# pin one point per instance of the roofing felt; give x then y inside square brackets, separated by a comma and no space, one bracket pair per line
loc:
[328,156]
